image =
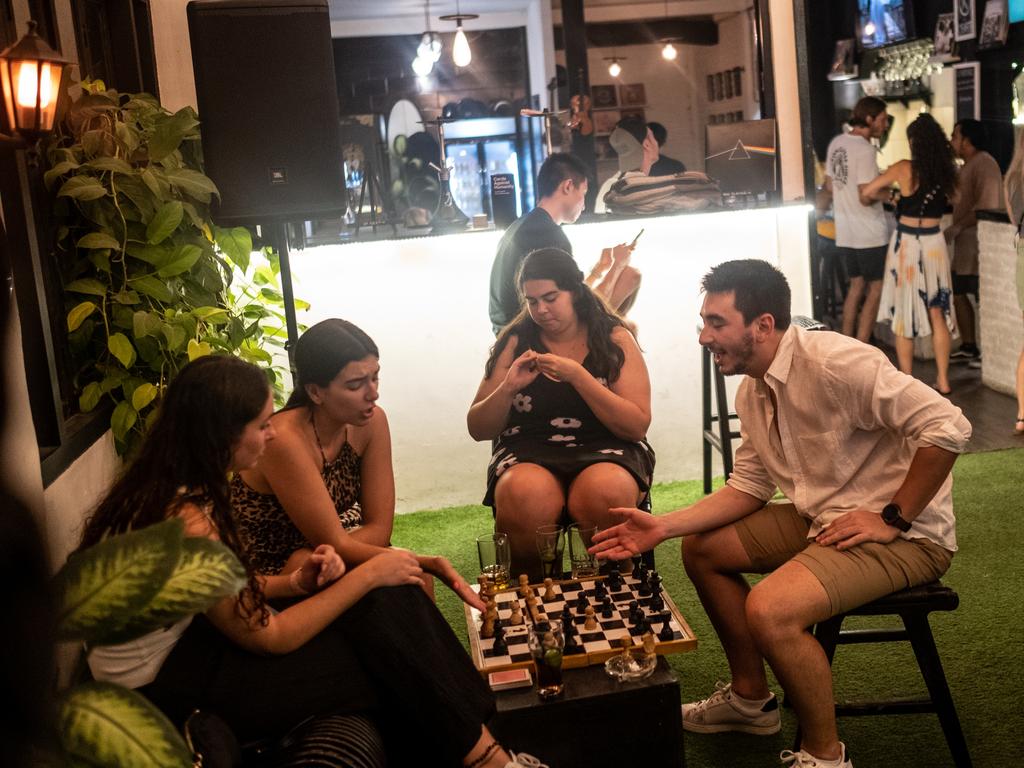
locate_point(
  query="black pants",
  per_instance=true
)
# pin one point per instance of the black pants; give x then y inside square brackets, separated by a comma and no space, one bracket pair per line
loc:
[392,656]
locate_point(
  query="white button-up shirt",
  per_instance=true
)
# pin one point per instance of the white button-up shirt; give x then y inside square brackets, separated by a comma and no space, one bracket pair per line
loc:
[844,432]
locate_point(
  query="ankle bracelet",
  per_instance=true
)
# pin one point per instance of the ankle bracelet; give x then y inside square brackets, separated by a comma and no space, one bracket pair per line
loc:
[487,754]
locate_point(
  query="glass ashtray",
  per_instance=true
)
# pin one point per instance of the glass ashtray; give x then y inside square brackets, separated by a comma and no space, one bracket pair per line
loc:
[624,668]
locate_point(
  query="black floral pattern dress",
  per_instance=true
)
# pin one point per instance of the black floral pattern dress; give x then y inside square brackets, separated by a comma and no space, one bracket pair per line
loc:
[549,424]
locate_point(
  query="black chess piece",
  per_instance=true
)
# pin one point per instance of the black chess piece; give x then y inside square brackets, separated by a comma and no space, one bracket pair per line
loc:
[581,603]
[657,603]
[500,646]
[600,590]
[606,608]
[614,580]
[637,565]
[666,632]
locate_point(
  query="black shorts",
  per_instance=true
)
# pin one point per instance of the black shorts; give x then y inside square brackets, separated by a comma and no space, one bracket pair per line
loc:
[964,284]
[868,263]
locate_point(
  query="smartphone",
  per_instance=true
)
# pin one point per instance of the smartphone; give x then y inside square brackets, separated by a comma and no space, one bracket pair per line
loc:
[633,244]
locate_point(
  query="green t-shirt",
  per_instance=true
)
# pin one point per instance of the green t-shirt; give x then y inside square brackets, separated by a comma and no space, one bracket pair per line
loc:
[527,233]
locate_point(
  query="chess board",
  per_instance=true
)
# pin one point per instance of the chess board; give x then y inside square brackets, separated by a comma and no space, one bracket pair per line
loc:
[597,645]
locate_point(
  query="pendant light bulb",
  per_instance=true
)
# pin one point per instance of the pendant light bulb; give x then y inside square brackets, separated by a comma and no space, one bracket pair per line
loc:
[422,66]
[461,53]
[668,53]
[614,69]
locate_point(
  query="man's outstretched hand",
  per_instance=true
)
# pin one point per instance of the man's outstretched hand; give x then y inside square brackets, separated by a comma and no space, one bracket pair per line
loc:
[638,532]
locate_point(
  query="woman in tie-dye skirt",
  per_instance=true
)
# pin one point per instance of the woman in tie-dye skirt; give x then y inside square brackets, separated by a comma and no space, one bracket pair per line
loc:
[917,287]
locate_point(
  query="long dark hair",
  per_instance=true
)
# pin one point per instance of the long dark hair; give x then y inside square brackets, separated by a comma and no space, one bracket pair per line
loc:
[591,310]
[203,414]
[931,156]
[322,351]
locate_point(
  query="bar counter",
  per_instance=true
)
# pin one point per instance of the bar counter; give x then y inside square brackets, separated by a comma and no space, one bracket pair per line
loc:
[424,301]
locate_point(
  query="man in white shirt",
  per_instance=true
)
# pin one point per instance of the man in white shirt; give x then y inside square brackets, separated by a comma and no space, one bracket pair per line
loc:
[863,455]
[862,232]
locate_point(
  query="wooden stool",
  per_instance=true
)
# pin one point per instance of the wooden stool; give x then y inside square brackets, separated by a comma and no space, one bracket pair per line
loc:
[912,606]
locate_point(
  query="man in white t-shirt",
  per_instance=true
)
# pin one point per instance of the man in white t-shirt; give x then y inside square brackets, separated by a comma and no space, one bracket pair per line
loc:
[862,232]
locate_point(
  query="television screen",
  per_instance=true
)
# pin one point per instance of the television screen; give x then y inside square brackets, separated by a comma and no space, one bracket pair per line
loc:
[741,156]
[1016,11]
[885,21]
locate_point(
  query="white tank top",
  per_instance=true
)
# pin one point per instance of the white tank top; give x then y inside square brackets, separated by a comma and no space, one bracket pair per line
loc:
[136,663]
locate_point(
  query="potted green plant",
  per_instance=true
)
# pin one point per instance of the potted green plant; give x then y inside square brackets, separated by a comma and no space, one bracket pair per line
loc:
[119,590]
[150,282]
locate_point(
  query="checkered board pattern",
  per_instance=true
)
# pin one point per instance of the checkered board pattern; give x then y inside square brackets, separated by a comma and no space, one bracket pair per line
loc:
[598,645]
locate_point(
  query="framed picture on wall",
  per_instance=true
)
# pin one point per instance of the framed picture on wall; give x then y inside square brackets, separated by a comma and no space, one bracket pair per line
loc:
[944,42]
[632,95]
[636,111]
[605,120]
[603,96]
[965,26]
[967,90]
[994,25]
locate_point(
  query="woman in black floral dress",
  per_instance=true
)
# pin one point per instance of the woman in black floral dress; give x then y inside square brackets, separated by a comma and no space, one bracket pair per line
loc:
[566,400]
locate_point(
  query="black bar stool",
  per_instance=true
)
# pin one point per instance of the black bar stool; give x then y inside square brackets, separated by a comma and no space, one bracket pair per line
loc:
[716,421]
[912,606]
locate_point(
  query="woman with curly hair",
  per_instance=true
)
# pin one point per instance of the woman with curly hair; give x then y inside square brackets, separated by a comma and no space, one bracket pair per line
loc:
[368,644]
[566,399]
[916,287]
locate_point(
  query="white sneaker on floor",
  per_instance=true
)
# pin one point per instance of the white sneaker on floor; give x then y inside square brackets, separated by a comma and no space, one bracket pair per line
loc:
[803,759]
[721,712]
[523,760]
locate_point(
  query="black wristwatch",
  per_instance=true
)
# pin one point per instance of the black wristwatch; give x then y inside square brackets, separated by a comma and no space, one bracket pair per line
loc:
[892,515]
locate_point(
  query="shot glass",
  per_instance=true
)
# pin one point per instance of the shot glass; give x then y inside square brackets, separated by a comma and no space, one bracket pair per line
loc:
[546,644]
[581,538]
[550,546]
[495,559]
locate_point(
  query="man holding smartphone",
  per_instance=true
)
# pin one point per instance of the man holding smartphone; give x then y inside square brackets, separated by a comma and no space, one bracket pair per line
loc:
[562,189]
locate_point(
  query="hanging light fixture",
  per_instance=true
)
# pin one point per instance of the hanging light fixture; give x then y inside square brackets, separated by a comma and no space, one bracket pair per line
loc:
[429,50]
[462,55]
[614,69]
[31,73]
[668,53]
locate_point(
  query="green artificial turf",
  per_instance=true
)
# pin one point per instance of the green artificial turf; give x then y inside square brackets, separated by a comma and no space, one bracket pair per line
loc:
[980,643]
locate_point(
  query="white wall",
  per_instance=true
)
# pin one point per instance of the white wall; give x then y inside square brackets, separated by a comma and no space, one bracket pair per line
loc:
[424,301]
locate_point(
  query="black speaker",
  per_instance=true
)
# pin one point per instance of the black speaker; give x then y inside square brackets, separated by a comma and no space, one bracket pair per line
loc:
[268,108]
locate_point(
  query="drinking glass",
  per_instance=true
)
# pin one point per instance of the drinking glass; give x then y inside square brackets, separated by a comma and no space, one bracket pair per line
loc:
[546,644]
[550,546]
[495,559]
[581,538]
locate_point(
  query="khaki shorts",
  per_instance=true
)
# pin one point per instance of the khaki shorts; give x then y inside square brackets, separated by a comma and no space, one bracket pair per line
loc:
[777,533]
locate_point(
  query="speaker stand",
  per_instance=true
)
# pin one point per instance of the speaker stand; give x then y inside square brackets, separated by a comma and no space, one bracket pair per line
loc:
[371,182]
[279,235]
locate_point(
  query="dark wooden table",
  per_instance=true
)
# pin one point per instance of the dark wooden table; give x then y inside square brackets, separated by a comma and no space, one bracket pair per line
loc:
[597,721]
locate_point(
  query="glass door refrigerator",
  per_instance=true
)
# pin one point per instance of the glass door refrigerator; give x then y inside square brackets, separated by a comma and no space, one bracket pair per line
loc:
[479,147]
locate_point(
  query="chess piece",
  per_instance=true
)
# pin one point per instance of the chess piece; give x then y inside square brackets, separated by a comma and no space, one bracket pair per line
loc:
[487,628]
[524,584]
[590,624]
[666,632]
[549,590]
[517,614]
[606,608]
[581,603]
[600,590]
[614,580]
[500,646]
[648,644]
[657,604]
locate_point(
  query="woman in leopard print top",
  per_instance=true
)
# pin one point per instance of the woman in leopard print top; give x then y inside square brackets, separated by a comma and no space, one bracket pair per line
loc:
[330,462]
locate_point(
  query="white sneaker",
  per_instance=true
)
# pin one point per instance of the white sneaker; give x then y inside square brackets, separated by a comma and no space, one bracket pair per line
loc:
[803,759]
[523,760]
[721,712]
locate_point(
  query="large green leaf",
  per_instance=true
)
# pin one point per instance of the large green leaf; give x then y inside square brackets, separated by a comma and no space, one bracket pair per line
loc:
[166,220]
[175,336]
[122,349]
[236,244]
[207,571]
[156,255]
[123,419]
[79,313]
[154,288]
[90,397]
[115,164]
[143,395]
[182,259]
[169,133]
[192,183]
[82,188]
[99,240]
[87,285]
[103,587]
[103,725]
[58,170]
[197,349]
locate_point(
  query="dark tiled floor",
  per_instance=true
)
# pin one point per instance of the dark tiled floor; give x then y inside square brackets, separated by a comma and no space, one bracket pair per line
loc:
[991,413]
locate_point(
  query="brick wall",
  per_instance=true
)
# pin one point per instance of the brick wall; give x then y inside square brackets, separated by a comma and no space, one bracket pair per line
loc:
[1002,329]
